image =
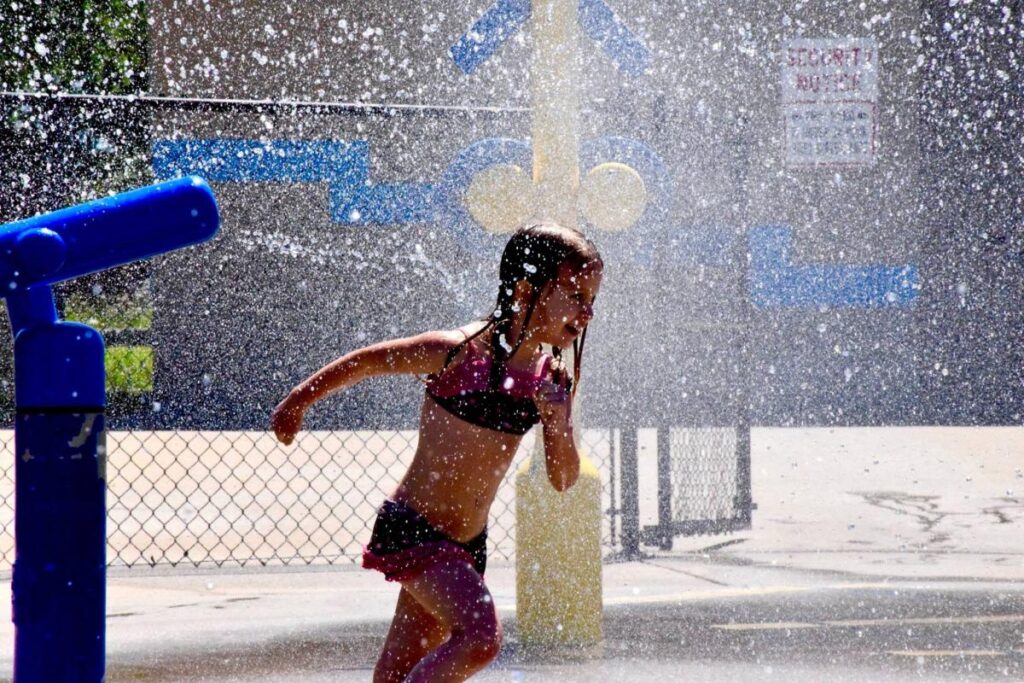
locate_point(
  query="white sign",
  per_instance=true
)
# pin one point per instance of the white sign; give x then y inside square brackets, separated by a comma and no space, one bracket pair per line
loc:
[836,133]
[829,91]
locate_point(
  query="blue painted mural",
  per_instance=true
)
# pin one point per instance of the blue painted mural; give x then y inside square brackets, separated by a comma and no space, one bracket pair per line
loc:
[505,17]
[356,200]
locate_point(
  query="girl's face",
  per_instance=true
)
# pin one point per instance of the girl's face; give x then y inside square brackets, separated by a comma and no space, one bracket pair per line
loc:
[566,304]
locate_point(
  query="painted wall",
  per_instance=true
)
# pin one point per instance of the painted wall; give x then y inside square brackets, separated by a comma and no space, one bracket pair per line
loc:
[865,289]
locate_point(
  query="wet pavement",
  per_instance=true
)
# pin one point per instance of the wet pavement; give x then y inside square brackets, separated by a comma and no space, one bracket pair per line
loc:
[790,627]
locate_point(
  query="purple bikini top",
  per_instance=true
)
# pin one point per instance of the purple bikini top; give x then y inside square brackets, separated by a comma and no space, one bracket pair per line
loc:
[465,391]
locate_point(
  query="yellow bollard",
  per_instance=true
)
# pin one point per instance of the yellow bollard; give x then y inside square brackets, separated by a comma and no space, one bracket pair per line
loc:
[558,558]
[558,535]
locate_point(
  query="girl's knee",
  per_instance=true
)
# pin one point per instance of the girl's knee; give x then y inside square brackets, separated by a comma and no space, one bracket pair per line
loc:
[398,659]
[393,667]
[481,639]
[480,650]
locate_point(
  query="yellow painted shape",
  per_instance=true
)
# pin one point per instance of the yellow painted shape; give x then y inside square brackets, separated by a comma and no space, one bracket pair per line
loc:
[947,653]
[926,621]
[613,197]
[722,593]
[769,626]
[501,198]
[864,623]
[558,559]
[554,86]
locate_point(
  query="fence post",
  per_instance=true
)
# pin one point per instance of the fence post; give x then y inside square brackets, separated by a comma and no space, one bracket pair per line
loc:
[664,488]
[630,480]
[743,505]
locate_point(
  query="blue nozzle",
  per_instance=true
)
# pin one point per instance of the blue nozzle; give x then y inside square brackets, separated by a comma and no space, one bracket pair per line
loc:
[39,251]
[106,233]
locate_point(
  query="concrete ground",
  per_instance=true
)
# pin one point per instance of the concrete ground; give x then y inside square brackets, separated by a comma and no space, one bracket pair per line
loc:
[875,555]
[682,618]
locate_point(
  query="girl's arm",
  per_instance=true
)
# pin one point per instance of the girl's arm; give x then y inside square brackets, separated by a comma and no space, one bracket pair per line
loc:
[421,354]
[560,454]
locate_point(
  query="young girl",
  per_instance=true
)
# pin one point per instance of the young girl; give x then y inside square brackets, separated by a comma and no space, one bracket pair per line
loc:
[488,383]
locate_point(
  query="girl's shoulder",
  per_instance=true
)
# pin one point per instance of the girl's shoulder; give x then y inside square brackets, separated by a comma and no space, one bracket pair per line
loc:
[469,335]
[469,330]
[448,341]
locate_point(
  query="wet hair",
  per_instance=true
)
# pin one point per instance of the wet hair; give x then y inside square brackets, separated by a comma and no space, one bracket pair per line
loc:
[534,253]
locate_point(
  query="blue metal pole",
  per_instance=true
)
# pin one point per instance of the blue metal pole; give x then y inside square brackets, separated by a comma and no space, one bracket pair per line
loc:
[59,578]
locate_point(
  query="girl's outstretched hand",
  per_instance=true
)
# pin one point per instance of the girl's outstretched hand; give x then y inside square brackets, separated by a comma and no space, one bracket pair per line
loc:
[286,420]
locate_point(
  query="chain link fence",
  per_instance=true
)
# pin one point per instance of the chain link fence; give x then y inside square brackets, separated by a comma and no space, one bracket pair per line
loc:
[223,498]
[704,487]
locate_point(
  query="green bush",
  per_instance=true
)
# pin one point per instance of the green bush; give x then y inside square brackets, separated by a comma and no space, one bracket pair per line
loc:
[110,313]
[129,369]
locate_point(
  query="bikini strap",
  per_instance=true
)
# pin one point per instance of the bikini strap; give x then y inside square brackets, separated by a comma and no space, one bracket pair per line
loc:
[450,356]
[452,352]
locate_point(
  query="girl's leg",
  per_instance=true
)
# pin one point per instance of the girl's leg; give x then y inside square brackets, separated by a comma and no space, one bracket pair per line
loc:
[414,632]
[456,595]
